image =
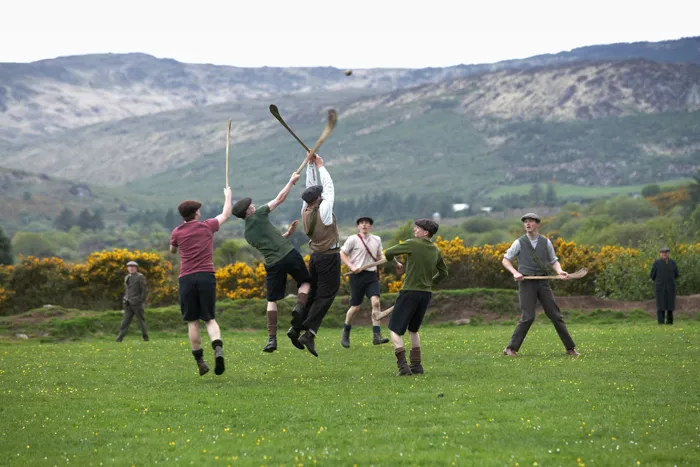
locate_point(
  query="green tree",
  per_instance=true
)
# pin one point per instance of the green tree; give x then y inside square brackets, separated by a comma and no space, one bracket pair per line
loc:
[98,222]
[227,253]
[5,248]
[550,197]
[32,244]
[65,220]
[651,190]
[84,220]
[536,194]
[171,220]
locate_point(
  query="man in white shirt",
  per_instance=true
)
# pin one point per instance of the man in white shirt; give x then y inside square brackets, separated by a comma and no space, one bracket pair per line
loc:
[533,251]
[359,250]
[324,266]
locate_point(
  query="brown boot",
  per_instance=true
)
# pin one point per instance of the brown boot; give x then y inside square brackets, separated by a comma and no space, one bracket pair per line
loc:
[404,370]
[201,364]
[416,367]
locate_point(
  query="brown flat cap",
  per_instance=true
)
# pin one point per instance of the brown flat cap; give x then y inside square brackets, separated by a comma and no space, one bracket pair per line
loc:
[188,209]
[427,224]
[531,215]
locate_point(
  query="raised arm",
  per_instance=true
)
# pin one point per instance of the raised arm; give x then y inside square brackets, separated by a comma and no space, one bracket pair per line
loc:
[397,250]
[328,194]
[310,180]
[226,212]
[282,195]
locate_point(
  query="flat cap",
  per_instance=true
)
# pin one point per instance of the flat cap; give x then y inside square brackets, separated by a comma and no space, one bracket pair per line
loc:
[664,249]
[132,263]
[531,215]
[427,224]
[239,209]
[312,193]
[364,218]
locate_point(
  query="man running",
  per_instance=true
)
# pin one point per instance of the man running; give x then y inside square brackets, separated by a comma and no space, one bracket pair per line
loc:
[359,250]
[279,254]
[197,283]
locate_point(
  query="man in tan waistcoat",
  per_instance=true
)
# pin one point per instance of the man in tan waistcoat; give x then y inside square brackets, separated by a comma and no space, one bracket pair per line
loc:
[320,226]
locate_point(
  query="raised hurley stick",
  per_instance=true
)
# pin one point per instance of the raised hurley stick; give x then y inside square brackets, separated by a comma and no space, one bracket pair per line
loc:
[367,266]
[378,315]
[574,275]
[228,136]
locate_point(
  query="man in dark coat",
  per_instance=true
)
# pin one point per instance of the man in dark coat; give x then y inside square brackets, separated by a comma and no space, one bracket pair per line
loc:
[134,300]
[664,273]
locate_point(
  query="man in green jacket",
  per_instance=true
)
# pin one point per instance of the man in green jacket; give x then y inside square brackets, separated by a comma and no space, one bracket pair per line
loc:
[426,267]
[134,300]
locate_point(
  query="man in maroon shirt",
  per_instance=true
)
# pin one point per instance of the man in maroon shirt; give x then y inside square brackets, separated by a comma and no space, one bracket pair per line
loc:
[195,240]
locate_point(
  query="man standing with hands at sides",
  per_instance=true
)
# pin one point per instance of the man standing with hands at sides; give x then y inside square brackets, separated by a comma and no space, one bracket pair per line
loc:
[280,256]
[359,250]
[664,273]
[320,226]
[426,268]
[134,300]
[197,283]
[533,251]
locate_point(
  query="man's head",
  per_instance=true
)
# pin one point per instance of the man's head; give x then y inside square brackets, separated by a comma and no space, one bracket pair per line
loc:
[312,194]
[531,222]
[189,210]
[243,208]
[425,228]
[132,267]
[364,224]
[663,252]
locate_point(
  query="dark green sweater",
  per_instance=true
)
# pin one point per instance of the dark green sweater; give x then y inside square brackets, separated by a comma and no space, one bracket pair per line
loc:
[426,267]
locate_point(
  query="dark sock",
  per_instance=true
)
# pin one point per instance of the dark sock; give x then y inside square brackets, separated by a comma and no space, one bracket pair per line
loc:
[271,322]
[198,354]
[216,343]
[348,327]
[376,329]
[301,298]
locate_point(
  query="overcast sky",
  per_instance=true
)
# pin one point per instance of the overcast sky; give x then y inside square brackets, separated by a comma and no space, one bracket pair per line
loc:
[345,34]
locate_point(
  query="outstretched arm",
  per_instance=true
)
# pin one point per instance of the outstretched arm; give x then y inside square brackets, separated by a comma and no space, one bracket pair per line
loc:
[328,194]
[282,195]
[290,230]
[226,212]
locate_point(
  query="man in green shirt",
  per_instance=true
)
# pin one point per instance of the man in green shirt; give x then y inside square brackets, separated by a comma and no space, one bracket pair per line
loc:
[280,256]
[425,269]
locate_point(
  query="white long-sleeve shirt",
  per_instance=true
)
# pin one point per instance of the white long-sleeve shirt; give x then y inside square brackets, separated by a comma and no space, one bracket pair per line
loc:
[328,195]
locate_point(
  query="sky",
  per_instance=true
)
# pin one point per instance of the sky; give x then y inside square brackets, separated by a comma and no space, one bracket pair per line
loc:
[344,34]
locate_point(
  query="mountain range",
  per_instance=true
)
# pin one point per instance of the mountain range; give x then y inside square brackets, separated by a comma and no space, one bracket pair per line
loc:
[153,128]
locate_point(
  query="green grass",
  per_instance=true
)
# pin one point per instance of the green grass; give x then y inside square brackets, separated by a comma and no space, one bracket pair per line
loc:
[567,191]
[630,399]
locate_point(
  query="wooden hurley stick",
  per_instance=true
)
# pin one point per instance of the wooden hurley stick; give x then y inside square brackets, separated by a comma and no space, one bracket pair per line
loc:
[382,314]
[574,275]
[228,136]
[330,124]
[367,266]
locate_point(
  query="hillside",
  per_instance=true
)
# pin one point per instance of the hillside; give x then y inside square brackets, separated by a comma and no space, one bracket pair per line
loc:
[51,96]
[606,123]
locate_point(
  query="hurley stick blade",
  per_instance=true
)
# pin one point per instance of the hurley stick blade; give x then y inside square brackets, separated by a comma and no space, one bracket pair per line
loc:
[276,113]
[330,124]
[228,136]
[378,315]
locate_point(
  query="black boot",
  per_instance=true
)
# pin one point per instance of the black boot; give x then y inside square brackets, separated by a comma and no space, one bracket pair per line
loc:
[293,335]
[218,347]
[378,339]
[308,341]
[201,364]
[345,338]
[660,316]
[271,344]
[404,370]
[669,316]
[416,367]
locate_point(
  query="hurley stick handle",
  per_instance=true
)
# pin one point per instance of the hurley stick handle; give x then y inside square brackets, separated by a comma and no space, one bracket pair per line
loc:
[228,136]
[367,266]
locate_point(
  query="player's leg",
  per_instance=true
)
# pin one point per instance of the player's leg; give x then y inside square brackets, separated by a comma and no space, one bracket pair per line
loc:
[401,316]
[422,301]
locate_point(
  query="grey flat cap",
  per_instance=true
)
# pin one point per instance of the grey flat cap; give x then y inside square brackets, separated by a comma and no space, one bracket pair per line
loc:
[132,263]
[530,215]
[664,249]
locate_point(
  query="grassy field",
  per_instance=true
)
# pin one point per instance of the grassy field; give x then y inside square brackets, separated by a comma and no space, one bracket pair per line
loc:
[566,191]
[630,399]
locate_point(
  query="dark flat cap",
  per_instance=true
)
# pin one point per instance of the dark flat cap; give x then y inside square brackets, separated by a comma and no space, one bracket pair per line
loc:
[132,263]
[664,249]
[240,208]
[312,193]
[364,218]
[531,215]
[427,224]
[188,209]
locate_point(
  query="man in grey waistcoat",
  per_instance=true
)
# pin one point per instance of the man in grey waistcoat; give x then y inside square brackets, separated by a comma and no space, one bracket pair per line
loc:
[533,251]
[134,300]
[664,273]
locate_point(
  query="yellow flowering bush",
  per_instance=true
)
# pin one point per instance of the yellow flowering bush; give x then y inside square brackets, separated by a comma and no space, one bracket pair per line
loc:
[34,282]
[239,280]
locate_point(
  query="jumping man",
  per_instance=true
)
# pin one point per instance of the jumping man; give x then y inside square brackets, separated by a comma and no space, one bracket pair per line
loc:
[320,226]
[280,256]
[533,251]
[359,250]
[197,283]
[426,268]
